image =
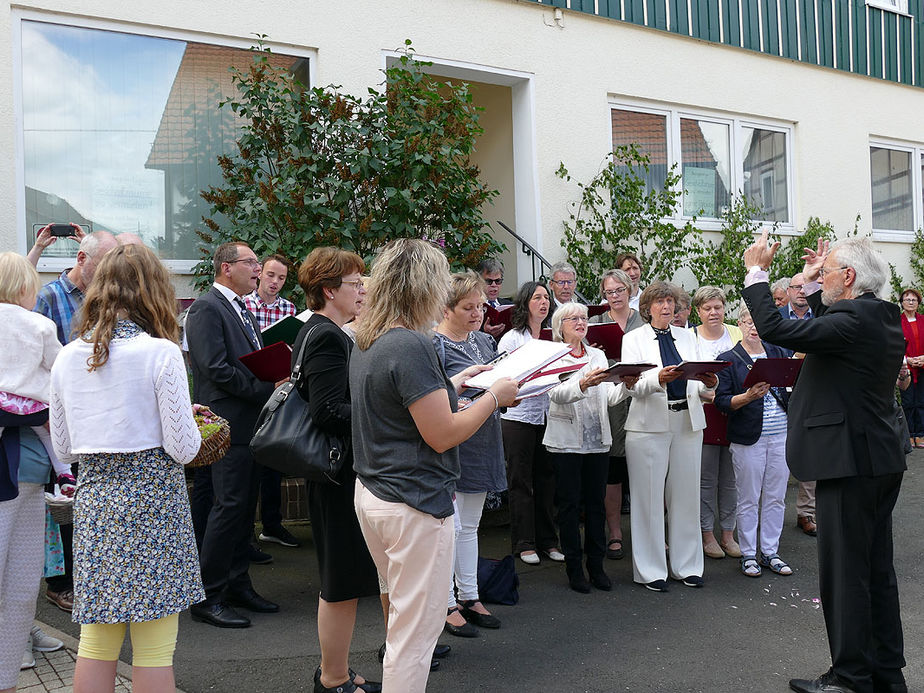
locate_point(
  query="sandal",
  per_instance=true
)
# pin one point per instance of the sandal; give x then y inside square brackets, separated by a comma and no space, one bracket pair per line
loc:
[776,564]
[750,567]
[617,553]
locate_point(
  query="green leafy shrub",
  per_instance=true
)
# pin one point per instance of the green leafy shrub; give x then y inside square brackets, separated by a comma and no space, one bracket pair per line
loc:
[319,167]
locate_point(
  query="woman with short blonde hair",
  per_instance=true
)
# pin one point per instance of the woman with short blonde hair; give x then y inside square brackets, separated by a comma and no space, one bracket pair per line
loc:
[406,426]
[718,494]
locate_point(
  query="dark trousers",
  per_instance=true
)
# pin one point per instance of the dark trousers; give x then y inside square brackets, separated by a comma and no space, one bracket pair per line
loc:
[201,500]
[531,487]
[270,497]
[224,555]
[859,591]
[913,405]
[581,480]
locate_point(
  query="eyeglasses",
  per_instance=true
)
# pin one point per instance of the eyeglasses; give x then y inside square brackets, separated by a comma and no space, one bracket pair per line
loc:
[498,282]
[575,318]
[563,282]
[828,270]
[615,292]
[910,298]
[796,287]
[356,283]
[253,262]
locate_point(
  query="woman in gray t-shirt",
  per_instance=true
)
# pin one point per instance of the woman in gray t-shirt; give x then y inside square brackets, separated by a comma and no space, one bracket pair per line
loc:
[406,425]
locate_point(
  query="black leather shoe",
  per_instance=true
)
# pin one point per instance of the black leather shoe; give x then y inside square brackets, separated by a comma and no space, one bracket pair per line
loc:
[441,651]
[829,682]
[250,600]
[578,581]
[367,686]
[218,614]
[479,619]
[464,631]
[600,579]
[693,581]
[657,585]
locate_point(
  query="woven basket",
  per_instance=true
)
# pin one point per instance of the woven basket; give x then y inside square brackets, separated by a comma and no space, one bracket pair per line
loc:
[62,511]
[215,446]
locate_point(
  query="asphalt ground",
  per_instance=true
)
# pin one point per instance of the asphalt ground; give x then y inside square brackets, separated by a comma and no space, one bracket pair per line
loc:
[737,634]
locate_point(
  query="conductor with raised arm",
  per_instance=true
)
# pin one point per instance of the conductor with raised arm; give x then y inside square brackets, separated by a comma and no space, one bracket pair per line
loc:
[844,433]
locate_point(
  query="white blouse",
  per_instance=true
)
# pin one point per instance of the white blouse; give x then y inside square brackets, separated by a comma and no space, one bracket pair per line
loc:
[138,400]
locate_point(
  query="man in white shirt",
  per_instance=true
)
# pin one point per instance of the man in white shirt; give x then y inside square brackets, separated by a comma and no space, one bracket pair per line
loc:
[219,330]
[563,284]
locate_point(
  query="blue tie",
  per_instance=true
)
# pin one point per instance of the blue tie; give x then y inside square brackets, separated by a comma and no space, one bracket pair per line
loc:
[251,332]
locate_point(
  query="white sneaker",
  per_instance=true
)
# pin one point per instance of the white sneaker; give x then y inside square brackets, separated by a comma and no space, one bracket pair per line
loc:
[28,660]
[42,642]
[529,557]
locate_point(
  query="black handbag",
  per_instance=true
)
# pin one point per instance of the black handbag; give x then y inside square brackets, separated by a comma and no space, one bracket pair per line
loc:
[286,438]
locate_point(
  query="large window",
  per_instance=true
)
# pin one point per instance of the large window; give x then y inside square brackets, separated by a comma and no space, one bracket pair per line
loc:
[121,131]
[893,180]
[718,158]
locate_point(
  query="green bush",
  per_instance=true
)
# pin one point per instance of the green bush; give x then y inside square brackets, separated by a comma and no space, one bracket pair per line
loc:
[319,167]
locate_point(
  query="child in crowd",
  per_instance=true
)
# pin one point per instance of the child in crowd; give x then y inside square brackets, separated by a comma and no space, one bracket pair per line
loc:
[28,346]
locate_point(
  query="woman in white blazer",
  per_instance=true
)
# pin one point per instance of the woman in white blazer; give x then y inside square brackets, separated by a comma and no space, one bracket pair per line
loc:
[664,436]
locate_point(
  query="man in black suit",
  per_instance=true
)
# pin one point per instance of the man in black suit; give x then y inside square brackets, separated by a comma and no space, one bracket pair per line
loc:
[220,329]
[844,432]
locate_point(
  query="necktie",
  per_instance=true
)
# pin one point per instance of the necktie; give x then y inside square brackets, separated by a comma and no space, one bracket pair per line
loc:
[248,325]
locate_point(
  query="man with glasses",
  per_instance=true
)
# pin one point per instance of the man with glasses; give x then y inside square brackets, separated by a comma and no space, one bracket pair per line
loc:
[797,308]
[563,284]
[219,330]
[492,271]
[845,433]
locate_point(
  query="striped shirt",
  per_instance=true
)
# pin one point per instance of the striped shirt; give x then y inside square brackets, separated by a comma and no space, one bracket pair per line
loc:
[268,313]
[775,421]
[59,301]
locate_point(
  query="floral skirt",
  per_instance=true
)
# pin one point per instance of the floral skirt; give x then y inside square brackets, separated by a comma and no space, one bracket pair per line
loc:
[135,555]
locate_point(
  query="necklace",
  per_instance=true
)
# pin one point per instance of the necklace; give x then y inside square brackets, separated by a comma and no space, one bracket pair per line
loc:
[474,355]
[661,330]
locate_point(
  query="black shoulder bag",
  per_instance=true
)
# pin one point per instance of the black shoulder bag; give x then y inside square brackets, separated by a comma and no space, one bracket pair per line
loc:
[287,440]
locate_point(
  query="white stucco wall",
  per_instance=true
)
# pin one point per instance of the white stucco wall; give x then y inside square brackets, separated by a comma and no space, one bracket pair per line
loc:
[574,69]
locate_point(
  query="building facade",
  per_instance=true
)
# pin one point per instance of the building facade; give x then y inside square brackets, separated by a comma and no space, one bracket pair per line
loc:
[808,107]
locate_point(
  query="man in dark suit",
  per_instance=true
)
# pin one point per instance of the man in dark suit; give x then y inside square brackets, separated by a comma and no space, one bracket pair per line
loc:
[492,271]
[844,432]
[220,329]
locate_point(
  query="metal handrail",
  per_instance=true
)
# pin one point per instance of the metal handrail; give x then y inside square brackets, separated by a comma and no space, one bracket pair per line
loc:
[534,256]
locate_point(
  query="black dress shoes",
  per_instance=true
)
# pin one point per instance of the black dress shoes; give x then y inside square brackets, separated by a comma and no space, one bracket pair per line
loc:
[250,600]
[479,619]
[578,581]
[467,630]
[829,682]
[599,579]
[218,614]
[441,651]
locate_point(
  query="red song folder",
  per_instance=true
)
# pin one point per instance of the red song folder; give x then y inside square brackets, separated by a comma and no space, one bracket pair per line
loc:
[774,372]
[271,364]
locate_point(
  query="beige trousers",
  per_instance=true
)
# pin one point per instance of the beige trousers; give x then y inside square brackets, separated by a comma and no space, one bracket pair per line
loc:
[413,553]
[805,499]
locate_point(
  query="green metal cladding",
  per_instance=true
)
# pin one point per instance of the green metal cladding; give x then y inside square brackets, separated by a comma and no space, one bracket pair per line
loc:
[845,35]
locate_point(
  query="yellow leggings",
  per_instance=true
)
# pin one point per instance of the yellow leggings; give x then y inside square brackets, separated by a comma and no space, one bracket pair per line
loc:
[153,642]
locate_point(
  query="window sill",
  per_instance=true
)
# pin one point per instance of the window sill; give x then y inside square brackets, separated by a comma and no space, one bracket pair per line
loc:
[890,236]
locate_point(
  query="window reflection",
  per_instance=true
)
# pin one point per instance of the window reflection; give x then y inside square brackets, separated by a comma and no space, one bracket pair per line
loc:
[126,132]
[706,162]
[648,131]
[764,154]
[891,184]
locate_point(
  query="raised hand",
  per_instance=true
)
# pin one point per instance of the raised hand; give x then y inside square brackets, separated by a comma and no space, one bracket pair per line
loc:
[814,259]
[761,252]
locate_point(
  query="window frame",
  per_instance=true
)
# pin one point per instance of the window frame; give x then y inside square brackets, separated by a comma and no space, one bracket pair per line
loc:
[900,8]
[917,189]
[18,16]
[675,112]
